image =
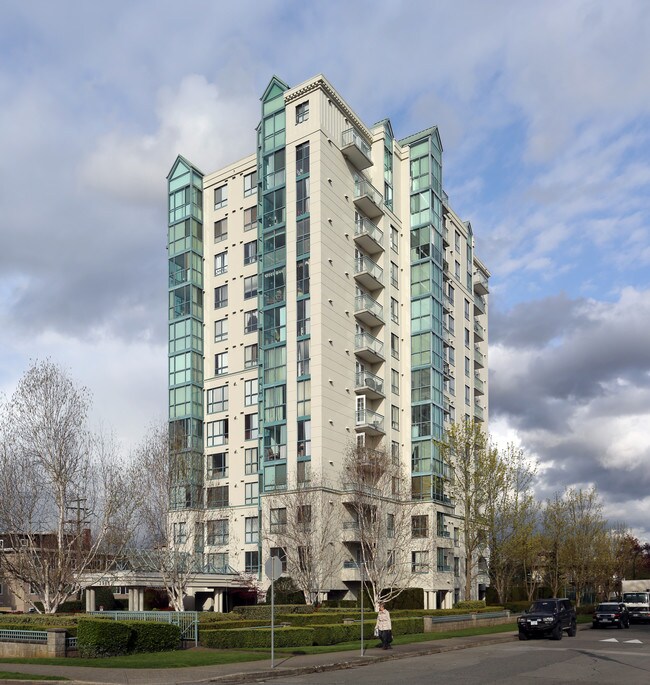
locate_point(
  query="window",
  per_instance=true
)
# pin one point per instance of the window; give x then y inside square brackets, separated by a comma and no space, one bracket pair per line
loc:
[250,218]
[304,439]
[220,330]
[180,533]
[220,230]
[221,297]
[457,269]
[221,196]
[303,357]
[302,112]
[302,277]
[457,566]
[251,562]
[390,525]
[302,159]
[278,520]
[394,417]
[250,461]
[217,563]
[467,337]
[250,427]
[450,293]
[250,287]
[304,471]
[281,554]
[467,394]
[217,399]
[217,497]
[218,532]
[218,465]
[441,530]
[302,196]
[252,530]
[394,310]
[394,274]
[394,452]
[220,263]
[250,356]
[251,493]
[302,236]
[303,516]
[220,363]
[467,366]
[420,562]
[274,169]
[394,381]
[303,317]
[250,392]
[419,526]
[250,252]
[217,433]
[250,321]
[394,238]
[394,345]
[467,309]
[457,241]
[304,398]
[250,184]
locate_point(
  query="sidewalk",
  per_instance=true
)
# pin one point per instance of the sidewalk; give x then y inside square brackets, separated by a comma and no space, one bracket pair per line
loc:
[285,665]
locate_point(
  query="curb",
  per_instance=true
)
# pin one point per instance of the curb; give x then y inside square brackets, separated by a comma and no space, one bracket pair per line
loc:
[286,672]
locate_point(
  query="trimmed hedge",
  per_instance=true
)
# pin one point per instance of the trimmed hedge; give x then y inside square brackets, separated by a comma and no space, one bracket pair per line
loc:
[246,638]
[344,632]
[263,611]
[147,636]
[208,617]
[98,637]
[241,623]
[470,604]
[39,622]
[317,619]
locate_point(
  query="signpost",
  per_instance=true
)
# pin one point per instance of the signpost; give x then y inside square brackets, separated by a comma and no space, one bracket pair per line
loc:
[273,570]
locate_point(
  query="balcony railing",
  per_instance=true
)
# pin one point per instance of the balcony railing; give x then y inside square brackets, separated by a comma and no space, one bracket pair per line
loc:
[478,411]
[367,346]
[369,310]
[480,283]
[369,236]
[350,525]
[479,304]
[479,357]
[361,488]
[479,386]
[479,331]
[444,568]
[365,379]
[369,419]
[368,273]
[356,149]
[367,198]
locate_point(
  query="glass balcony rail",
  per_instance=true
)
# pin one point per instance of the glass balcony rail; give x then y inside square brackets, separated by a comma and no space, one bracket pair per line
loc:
[364,227]
[352,137]
[350,525]
[447,303]
[478,411]
[479,357]
[368,198]
[365,341]
[349,564]
[356,149]
[365,379]
[479,386]
[365,417]
[480,283]
[445,237]
[447,335]
[362,488]
[365,265]
[479,330]
[443,533]
[479,303]
[367,303]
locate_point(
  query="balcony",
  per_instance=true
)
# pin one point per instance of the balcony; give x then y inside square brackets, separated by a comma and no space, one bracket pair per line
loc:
[368,384]
[444,568]
[369,422]
[350,571]
[479,386]
[367,198]
[447,335]
[445,237]
[368,348]
[350,531]
[480,283]
[447,370]
[479,331]
[355,149]
[479,415]
[447,304]
[479,358]
[367,236]
[479,304]
[368,273]
[368,311]
[361,488]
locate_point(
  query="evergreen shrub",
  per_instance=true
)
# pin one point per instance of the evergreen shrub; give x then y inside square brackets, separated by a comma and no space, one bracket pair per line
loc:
[246,638]
[98,637]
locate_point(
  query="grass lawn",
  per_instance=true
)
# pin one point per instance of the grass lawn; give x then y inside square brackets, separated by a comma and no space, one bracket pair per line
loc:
[11,675]
[211,657]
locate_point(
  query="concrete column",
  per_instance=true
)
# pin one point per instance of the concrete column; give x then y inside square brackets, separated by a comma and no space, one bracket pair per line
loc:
[131,599]
[90,599]
[218,601]
[140,597]
[56,642]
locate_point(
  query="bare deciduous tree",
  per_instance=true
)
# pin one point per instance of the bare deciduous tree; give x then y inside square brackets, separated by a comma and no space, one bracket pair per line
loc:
[65,501]
[378,496]
[306,523]
[476,471]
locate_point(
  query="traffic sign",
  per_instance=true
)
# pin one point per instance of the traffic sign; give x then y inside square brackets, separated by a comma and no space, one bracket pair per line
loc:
[273,568]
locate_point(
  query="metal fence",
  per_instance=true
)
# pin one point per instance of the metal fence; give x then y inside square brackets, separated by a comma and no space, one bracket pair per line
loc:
[33,636]
[187,621]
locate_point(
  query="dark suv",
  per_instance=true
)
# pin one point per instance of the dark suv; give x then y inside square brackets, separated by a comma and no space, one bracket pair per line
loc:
[548,618]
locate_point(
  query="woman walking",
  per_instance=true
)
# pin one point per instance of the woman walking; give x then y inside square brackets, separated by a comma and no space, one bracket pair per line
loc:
[384,627]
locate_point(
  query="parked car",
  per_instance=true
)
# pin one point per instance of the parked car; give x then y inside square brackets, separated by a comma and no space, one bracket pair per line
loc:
[611,614]
[548,618]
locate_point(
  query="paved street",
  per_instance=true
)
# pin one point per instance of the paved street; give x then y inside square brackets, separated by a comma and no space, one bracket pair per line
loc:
[593,656]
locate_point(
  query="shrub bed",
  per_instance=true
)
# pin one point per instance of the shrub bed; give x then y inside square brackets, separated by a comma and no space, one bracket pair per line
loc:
[97,637]
[246,638]
[470,604]
[234,624]
[263,611]
[147,636]
[42,622]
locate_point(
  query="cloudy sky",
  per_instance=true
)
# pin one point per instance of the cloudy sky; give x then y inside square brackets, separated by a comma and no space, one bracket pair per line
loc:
[544,111]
